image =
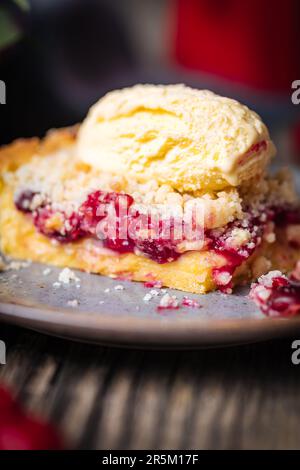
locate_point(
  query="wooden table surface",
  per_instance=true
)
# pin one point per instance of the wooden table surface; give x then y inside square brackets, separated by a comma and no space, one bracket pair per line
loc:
[104,398]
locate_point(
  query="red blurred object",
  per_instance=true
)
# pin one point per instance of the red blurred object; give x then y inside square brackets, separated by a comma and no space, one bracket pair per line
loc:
[18,431]
[253,42]
[296,139]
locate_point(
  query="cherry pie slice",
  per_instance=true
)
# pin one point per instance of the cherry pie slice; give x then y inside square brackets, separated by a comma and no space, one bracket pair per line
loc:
[160,184]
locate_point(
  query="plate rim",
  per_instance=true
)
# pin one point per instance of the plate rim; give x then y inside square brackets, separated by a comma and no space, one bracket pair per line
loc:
[126,330]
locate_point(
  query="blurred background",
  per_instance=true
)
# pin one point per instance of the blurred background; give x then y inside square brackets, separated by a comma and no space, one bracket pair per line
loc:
[57,57]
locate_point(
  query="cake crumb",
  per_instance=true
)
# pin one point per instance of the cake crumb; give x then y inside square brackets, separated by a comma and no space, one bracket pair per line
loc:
[66,276]
[119,287]
[46,271]
[223,278]
[56,285]
[147,298]
[168,302]
[106,291]
[73,303]
[154,292]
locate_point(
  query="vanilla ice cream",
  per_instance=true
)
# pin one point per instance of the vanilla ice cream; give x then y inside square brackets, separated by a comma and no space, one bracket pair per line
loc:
[191,139]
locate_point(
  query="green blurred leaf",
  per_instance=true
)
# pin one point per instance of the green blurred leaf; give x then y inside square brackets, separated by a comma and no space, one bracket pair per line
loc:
[22,4]
[9,31]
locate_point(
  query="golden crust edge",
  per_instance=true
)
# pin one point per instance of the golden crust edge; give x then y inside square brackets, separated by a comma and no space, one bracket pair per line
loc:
[20,151]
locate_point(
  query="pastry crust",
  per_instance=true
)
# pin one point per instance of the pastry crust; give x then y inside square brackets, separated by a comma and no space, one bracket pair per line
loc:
[21,151]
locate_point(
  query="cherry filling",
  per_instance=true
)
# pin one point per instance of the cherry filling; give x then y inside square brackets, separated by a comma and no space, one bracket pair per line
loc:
[276,295]
[235,254]
[92,219]
[163,248]
[58,225]
[95,208]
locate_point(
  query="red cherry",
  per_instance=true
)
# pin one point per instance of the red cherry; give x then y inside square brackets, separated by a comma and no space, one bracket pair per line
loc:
[121,246]
[9,408]
[25,433]
[161,251]
[20,432]
[71,225]
[6,399]
[280,282]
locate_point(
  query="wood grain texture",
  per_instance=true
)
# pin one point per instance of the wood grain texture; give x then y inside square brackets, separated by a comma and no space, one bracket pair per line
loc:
[101,398]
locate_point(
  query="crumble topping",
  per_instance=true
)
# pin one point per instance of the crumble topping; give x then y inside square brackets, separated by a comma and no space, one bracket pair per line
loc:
[278,190]
[57,179]
[238,237]
[64,183]
[267,279]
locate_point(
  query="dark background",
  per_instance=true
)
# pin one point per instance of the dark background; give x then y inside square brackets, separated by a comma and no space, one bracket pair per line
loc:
[68,53]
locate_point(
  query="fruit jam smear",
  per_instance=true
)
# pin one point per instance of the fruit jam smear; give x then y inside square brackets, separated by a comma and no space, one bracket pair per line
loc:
[235,242]
[277,295]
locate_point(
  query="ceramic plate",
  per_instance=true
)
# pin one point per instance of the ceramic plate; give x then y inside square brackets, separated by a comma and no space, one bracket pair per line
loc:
[93,309]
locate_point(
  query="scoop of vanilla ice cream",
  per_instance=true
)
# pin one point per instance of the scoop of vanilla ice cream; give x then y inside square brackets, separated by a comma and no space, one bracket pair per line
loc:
[190,139]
